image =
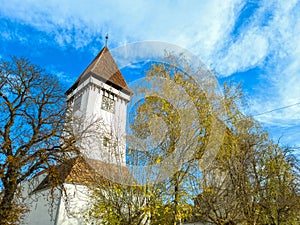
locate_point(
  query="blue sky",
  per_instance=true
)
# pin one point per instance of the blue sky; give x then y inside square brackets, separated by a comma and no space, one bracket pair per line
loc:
[253,42]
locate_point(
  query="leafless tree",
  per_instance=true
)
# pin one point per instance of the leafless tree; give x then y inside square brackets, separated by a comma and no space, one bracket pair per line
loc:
[33,131]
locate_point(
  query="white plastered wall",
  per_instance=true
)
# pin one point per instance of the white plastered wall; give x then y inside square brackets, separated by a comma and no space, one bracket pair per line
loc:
[38,203]
[104,124]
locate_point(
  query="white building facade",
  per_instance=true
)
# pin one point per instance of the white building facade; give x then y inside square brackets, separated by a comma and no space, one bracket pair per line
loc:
[98,99]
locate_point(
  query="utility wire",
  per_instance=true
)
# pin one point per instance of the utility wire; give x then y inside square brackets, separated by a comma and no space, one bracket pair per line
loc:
[284,107]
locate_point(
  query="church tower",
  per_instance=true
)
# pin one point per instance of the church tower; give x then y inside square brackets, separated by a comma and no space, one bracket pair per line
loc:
[98,101]
[99,97]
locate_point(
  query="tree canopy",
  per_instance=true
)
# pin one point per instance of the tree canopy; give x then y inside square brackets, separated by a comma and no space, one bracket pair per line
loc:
[213,163]
[34,130]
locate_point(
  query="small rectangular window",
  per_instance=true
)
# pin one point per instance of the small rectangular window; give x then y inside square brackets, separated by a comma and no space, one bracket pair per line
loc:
[77,103]
[106,141]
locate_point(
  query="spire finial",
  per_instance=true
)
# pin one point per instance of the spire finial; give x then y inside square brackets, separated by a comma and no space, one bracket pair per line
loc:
[106,38]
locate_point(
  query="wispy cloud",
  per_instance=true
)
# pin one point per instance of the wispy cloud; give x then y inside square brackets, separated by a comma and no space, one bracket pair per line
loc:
[247,52]
[229,36]
[280,82]
[62,76]
[267,38]
[77,23]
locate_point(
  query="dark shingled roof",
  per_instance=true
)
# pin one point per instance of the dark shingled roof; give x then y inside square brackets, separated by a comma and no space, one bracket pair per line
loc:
[84,171]
[104,68]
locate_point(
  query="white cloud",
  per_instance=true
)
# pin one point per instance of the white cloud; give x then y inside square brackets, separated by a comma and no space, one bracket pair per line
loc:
[247,52]
[204,27]
[269,39]
[281,81]
[63,77]
[200,23]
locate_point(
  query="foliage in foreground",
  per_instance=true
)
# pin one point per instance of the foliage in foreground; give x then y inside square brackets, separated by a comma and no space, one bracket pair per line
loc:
[250,181]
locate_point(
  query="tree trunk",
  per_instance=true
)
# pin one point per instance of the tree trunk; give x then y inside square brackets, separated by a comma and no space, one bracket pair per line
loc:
[176,200]
[7,211]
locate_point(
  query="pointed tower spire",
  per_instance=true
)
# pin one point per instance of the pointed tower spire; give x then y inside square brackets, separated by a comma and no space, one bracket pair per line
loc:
[103,68]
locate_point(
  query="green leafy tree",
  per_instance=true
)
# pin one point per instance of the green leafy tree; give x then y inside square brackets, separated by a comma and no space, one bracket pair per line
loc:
[175,120]
[252,180]
[114,203]
[208,161]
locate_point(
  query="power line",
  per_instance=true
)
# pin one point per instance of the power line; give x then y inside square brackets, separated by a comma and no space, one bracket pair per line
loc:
[284,107]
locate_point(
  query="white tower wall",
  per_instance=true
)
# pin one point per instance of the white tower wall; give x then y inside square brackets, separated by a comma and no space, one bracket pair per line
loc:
[104,126]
